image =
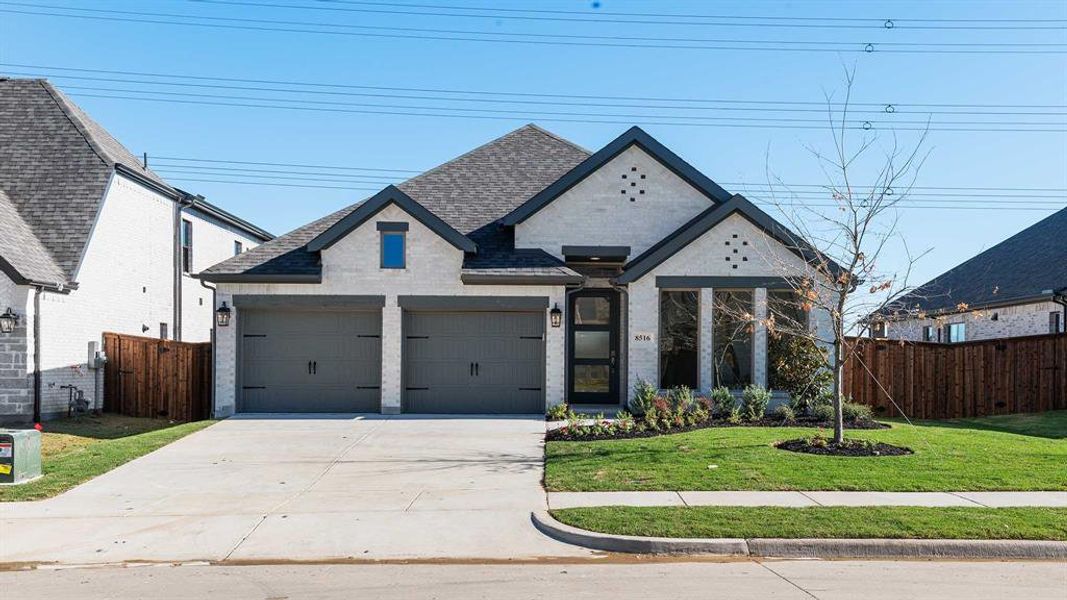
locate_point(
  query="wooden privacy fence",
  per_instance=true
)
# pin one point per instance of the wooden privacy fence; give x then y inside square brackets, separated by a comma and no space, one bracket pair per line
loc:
[147,377]
[970,379]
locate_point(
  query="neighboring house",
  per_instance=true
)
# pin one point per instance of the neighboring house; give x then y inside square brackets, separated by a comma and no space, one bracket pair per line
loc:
[522,274]
[90,241]
[1016,288]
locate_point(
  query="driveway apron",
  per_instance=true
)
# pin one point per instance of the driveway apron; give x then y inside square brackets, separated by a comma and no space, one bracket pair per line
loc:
[295,487]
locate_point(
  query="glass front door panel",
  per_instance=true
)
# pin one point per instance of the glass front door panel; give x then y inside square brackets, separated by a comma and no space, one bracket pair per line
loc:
[592,379]
[592,310]
[592,344]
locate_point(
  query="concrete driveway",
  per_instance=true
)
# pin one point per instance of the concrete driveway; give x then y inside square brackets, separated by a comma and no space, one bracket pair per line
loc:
[304,488]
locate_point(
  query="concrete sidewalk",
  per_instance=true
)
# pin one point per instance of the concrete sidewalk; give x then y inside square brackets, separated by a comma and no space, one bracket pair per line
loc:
[558,500]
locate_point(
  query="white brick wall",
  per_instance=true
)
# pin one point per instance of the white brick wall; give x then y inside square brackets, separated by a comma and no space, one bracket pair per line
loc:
[1012,321]
[595,212]
[351,266]
[706,257]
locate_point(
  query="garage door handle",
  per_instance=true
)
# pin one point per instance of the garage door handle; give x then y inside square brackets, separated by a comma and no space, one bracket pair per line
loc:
[309,367]
[476,367]
[472,369]
[315,367]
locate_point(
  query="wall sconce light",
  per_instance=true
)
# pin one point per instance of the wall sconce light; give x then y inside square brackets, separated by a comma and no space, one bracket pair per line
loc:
[8,320]
[995,317]
[556,316]
[222,316]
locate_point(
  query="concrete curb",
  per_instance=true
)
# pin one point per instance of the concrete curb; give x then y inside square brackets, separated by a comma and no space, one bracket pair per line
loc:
[802,548]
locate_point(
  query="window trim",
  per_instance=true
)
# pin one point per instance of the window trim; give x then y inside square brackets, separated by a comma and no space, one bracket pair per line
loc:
[752,356]
[186,244]
[403,249]
[948,332]
[1055,321]
[238,247]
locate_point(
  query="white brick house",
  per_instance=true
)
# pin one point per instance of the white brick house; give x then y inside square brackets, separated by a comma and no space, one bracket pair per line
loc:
[90,242]
[525,273]
[1016,288]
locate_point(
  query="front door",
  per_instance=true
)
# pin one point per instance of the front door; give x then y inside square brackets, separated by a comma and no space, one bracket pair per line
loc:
[593,347]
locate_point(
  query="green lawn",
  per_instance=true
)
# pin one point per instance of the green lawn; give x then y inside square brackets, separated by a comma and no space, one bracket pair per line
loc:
[76,450]
[823,522]
[1018,452]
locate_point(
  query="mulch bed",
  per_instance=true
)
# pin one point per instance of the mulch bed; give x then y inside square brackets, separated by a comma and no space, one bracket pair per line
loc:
[561,435]
[846,448]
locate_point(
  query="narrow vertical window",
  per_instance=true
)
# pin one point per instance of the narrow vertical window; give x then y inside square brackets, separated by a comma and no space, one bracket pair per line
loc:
[678,323]
[187,246]
[955,333]
[238,247]
[732,348]
[163,331]
[928,333]
[1054,322]
[393,250]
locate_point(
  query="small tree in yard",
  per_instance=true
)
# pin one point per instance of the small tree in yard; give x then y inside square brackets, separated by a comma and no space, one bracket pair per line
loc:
[844,240]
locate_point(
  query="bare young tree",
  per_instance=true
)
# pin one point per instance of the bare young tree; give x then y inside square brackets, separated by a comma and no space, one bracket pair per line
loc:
[846,240]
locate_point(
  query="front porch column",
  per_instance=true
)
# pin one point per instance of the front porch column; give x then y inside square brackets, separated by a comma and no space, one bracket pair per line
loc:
[759,345]
[392,348]
[705,350]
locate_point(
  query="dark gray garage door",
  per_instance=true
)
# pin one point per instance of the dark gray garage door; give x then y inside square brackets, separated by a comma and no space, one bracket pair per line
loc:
[310,361]
[474,362]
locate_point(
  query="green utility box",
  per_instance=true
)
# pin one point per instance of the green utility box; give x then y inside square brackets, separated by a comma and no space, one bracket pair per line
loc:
[20,455]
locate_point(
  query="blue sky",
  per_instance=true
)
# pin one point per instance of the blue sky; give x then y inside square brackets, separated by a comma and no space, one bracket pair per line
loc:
[737,156]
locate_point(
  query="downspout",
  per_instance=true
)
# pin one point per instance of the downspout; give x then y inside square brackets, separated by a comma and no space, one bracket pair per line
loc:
[37,356]
[214,338]
[1060,298]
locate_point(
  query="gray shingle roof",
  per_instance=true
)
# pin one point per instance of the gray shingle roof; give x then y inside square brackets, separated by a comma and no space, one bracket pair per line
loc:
[55,163]
[1023,267]
[470,193]
[22,256]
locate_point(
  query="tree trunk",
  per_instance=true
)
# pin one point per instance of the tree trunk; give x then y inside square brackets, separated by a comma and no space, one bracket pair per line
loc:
[839,394]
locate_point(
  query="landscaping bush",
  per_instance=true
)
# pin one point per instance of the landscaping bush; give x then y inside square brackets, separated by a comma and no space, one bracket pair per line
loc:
[856,412]
[559,412]
[754,400]
[823,413]
[797,366]
[722,401]
[785,414]
[644,395]
[681,399]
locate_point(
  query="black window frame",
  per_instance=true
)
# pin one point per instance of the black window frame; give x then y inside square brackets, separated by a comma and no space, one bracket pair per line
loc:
[948,332]
[930,333]
[187,246]
[403,249]
[238,247]
[1055,321]
[715,374]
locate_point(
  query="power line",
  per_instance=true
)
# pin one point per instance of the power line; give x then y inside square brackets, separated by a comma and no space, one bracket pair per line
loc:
[888,109]
[558,119]
[885,106]
[179,159]
[548,39]
[613,18]
[539,114]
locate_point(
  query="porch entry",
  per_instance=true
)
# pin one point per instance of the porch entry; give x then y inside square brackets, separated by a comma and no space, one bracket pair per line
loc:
[593,347]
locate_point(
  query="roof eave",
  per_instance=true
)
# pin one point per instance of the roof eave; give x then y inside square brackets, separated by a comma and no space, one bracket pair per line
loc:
[260,277]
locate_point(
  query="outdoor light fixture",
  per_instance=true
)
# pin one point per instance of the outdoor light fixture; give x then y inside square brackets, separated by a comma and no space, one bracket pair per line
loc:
[222,316]
[556,315]
[995,317]
[8,320]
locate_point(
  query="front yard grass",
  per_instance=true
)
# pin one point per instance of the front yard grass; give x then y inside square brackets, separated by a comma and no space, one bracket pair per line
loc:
[1018,452]
[76,450]
[901,522]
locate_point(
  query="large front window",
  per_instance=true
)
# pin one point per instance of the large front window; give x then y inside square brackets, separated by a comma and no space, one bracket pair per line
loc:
[732,337]
[787,324]
[679,327]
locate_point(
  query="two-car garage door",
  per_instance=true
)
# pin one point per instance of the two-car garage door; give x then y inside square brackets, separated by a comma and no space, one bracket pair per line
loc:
[330,361]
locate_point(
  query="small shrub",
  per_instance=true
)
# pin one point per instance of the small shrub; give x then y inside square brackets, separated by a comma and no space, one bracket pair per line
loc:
[856,412]
[734,416]
[558,412]
[722,401]
[785,414]
[644,395]
[823,413]
[681,399]
[624,421]
[754,400]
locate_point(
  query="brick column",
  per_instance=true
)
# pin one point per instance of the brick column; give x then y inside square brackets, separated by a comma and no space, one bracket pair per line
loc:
[226,359]
[705,352]
[759,340]
[392,349]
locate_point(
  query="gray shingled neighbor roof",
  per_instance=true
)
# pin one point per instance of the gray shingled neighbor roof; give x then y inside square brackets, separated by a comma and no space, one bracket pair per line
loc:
[22,256]
[1027,266]
[55,163]
[470,193]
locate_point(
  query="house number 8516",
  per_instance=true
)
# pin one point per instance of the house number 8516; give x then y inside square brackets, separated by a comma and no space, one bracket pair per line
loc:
[642,337]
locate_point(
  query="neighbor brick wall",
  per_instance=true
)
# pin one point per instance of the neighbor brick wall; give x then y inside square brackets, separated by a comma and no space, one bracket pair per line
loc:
[1012,321]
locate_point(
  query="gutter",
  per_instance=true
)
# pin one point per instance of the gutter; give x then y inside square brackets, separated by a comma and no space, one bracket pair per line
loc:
[37,355]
